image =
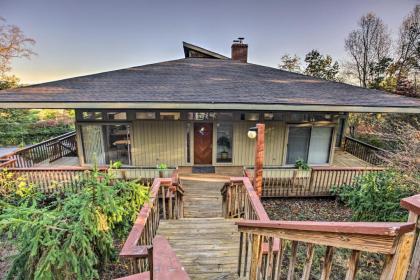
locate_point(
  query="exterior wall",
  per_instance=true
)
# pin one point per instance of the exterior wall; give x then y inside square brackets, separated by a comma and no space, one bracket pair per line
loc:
[155,142]
[244,148]
[165,141]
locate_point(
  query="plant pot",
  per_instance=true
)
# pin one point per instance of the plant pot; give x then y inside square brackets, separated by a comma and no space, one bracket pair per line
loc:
[224,155]
[160,173]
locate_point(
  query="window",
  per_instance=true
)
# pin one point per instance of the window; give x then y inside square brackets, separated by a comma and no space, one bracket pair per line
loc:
[250,116]
[310,144]
[268,116]
[224,143]
[116,116]
[201,116]
[105,143]
[145,115]
[170,115]
[92,116]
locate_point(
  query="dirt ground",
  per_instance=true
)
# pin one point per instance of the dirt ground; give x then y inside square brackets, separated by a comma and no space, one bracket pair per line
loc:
[321,209]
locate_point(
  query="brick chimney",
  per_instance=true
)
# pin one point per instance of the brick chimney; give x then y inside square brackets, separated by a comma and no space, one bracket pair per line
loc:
[240,50]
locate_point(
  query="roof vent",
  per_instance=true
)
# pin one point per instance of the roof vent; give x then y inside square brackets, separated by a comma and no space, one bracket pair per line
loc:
[240,50]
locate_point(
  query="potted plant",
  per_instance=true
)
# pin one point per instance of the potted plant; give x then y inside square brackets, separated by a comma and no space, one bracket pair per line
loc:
[161,167]
[302,165]
[224,142]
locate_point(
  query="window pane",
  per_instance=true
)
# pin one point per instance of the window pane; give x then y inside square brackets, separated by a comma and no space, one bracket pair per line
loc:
[201,116]
[250,116]
[319,151]
[92,115]
[298,143]
[145,115]
[117,138]
[116,115]
[224,143]
[268,116]
[170,115]
[93,144]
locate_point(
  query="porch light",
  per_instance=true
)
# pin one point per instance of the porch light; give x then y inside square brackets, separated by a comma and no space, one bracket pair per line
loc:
[252,132]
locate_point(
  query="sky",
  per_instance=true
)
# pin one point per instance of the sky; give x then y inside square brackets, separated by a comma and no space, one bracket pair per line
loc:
[79,37]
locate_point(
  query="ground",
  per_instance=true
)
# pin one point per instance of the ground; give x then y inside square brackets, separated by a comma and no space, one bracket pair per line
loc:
[321,209]
[307,209]
[6,251]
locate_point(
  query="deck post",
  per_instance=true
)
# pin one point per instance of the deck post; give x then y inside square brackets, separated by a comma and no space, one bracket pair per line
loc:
[259,159]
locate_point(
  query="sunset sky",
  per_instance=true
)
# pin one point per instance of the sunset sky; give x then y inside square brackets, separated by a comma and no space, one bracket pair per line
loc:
[77,37]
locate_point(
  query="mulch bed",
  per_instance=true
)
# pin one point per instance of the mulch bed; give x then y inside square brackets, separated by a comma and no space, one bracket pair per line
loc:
[307,209]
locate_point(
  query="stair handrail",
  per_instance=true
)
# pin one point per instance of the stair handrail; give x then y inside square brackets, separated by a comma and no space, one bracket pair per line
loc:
[166,194]
[412,204]
[394,240]
[163,263]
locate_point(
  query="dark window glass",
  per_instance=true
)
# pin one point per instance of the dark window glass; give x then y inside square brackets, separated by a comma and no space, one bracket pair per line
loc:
[224,143]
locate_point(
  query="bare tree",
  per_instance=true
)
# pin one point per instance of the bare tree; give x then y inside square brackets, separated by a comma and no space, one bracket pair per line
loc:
[290,63]
[368,46]
[13,44]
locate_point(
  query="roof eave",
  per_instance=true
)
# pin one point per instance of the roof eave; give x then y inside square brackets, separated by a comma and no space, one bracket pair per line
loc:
[210,106]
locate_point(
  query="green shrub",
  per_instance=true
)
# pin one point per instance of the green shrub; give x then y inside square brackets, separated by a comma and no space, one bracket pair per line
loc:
[72,237]
[302,165]
[376,196]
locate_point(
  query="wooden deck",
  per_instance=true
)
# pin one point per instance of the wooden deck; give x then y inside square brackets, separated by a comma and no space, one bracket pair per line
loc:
[64,161]
[345,159]
[205,243]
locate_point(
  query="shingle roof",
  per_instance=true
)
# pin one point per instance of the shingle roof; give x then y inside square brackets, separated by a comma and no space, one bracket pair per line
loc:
[201,80]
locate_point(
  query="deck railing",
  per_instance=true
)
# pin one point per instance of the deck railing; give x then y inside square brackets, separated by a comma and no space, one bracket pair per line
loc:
[393,240]
[240,200]
[318,181]
[163,263]
[262,245]
[51,179]
[49,150]
[364,151]
[166,202]
[412,204]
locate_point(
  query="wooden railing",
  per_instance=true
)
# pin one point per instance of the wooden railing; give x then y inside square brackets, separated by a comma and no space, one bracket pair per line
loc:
[166,202]
[7,163]
[393,240]
[163,263]
[49,150]
[240,200]
[51,179]
[365,151]
[318,181]
[412,204]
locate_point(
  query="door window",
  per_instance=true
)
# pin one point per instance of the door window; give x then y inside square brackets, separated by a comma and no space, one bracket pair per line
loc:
[224,143]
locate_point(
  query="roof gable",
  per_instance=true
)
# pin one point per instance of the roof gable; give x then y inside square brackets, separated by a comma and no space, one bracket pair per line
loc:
[194,51]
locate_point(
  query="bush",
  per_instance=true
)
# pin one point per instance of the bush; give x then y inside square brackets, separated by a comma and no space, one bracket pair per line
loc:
[375,197]
[72,237]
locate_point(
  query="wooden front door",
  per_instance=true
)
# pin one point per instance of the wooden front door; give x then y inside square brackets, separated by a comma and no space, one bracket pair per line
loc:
[203,143]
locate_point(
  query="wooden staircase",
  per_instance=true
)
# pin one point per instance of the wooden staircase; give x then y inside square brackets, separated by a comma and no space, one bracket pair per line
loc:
[205,243]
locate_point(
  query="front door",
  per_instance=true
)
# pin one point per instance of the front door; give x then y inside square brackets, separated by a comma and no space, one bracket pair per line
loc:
[203,143]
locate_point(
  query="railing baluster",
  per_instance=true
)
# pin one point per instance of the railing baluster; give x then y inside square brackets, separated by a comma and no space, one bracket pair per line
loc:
[308,261]
[292,260]
[328,259]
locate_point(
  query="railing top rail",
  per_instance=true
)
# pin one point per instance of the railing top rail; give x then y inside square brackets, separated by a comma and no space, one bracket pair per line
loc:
[58,168]
[131,247]
[71,133]
[366,144]
[345,168]
[255,200]
[365,228]
[412,203]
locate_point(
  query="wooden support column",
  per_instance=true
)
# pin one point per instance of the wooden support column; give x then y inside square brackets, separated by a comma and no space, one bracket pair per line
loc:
[259,159]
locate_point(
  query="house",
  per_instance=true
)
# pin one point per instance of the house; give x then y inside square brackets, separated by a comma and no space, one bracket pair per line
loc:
[195,114]
[196,111]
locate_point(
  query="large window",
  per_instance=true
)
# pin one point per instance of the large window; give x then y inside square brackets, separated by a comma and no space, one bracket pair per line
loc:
[103,144]
[224,143]
[310,144]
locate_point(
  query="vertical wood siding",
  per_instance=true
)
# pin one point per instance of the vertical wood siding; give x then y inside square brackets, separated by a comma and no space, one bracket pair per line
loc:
[155,142]
[244,148]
